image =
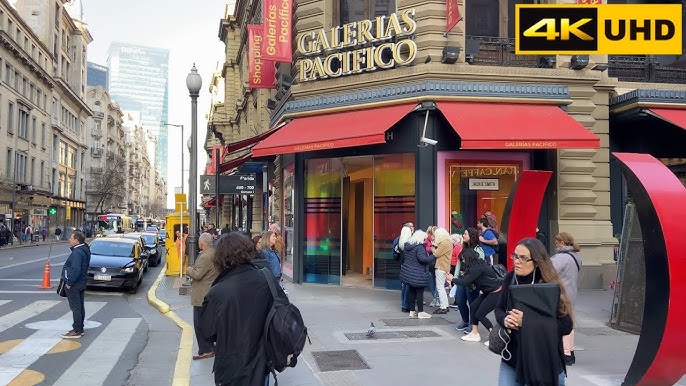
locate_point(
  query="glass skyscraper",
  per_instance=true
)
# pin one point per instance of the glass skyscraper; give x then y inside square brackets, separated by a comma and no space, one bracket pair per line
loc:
[139,81]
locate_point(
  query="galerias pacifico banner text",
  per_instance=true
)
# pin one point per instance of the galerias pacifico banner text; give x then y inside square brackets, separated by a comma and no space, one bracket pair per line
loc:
[452,15]
[277,19]
[261,72]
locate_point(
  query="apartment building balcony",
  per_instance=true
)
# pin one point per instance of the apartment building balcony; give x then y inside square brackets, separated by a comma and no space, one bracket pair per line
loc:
[644,69]
[97,170]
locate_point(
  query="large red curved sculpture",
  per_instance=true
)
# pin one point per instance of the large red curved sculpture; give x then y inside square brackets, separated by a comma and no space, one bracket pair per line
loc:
[660,200]
[520,217]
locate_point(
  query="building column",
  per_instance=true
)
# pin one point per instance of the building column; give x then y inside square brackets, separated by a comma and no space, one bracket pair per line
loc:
[583,188]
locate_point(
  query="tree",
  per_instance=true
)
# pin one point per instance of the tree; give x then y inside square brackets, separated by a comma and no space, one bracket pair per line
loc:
[108,183]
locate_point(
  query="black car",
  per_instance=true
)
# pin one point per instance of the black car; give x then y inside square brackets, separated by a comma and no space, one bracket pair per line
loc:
[152,243]
[145,252]
[116,262]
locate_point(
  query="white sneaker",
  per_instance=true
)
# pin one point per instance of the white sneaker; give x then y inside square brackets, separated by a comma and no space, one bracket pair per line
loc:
[413,314]
[486,343]
[423,315]
[472,338]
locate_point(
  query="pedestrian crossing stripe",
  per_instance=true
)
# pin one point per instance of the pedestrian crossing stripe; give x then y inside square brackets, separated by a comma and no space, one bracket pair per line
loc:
[13,318]
[99,357]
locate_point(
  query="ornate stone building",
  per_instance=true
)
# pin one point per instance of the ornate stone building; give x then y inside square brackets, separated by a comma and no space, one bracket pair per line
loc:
[107,155]
[437,135]
[43,113]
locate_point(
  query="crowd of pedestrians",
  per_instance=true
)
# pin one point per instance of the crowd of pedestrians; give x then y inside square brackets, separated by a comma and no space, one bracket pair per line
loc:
[469,268]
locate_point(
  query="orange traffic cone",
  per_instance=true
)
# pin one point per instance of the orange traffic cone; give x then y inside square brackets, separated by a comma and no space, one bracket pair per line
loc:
[46,276]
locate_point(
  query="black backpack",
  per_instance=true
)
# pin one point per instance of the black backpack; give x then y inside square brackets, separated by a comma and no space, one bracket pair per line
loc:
[500,271]
[284,331]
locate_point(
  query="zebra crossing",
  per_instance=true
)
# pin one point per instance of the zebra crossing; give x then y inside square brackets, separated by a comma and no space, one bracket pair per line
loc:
[30,334]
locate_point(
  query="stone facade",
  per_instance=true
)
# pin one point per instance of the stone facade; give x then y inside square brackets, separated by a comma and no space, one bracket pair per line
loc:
[581,186]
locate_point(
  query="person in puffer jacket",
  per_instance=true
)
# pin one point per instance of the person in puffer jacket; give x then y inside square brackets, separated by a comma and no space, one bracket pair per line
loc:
[414,272]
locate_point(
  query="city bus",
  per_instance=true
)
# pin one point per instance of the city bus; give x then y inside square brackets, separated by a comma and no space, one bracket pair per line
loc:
[113,223]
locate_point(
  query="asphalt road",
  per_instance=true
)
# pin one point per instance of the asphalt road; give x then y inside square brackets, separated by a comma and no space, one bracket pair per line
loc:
[126,341]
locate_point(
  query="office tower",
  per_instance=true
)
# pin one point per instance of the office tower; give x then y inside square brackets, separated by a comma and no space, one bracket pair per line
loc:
[139,82]
[96,75]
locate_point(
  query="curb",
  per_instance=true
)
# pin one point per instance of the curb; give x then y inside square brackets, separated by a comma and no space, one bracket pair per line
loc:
[182,369]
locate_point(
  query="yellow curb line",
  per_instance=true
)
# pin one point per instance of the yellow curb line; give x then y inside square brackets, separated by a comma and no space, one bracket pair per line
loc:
[182,369]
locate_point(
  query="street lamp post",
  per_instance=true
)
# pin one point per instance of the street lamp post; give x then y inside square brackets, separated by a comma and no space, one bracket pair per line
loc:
[194,84]
[182,168]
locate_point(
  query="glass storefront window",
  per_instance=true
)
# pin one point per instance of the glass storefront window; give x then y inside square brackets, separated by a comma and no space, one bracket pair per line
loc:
[288,210]
[475,188]
[394,204]
[322,244]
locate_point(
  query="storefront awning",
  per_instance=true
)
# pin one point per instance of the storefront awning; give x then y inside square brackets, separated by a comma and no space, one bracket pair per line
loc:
[516,126]
[676,117]
[332,131]
[234,163]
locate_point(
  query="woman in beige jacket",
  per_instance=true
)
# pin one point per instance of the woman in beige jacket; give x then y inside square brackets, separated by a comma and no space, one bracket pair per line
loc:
[442,249]
[203,274]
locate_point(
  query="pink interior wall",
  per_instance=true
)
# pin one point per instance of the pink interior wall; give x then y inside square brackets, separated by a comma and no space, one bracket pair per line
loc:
[441,188]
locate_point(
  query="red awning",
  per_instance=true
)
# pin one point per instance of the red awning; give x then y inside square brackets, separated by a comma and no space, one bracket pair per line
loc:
[335,130]
[234,163]
[230,148]
[516,126]
[676,117]
[212,202]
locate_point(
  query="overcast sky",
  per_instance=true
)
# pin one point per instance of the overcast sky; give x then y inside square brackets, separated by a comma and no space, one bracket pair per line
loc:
[189,31]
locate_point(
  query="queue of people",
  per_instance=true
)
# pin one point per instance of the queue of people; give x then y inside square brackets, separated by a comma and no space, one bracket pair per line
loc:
[469,268]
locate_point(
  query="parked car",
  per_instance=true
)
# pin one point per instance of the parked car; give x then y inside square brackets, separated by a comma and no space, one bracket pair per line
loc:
[152,244]
[162,234]
[116,262]
[145,252]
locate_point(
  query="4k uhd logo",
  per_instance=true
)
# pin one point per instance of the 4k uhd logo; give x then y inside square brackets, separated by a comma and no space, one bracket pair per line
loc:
[598,29]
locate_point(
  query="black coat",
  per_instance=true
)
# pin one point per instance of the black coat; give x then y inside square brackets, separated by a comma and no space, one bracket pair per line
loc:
[415,269]
[481,275]
[233,316]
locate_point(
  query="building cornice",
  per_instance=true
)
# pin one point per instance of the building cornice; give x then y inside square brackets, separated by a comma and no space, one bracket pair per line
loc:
[647,98]
[427,90]
[12,46]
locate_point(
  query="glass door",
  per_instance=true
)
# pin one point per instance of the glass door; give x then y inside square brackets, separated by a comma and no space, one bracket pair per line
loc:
[394,204]
[322,244]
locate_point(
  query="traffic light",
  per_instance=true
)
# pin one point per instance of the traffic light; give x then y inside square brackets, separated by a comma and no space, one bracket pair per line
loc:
[52,210]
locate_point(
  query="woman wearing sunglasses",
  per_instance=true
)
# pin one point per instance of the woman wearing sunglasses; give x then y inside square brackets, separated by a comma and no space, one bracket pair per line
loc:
[538,361]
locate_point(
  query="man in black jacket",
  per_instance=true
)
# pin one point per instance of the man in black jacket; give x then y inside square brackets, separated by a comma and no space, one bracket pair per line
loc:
[75,272]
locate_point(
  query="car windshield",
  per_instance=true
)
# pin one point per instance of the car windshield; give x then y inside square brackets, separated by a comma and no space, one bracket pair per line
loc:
[110,248]
[163,232]
[151,229]
[149,239]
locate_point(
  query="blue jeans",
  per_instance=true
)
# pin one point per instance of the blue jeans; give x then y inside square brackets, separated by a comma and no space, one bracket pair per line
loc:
[75,297]
[404,296]
[432,284]
[464,296]
[508,376]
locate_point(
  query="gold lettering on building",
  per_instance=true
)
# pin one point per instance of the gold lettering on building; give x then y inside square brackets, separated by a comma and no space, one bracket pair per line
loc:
[492,171]
[360,40]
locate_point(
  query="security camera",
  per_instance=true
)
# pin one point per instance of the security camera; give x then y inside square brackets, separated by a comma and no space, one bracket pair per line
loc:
[427,141]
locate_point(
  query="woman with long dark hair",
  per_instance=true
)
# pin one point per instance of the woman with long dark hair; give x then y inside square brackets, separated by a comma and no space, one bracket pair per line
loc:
[234,312]
[464,295]
[535,347]
[478,275]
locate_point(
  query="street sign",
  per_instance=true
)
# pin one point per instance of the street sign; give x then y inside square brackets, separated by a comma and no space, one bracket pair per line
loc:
[236,184]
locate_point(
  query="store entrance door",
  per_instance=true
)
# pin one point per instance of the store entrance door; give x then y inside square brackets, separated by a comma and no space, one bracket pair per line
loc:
[357,222]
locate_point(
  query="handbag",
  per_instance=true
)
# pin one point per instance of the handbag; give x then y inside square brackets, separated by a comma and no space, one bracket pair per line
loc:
[498,339]
[62,288]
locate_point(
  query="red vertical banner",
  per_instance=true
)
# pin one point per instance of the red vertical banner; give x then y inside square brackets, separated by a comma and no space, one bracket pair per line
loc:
[277,20]
[452,15]
[261,72]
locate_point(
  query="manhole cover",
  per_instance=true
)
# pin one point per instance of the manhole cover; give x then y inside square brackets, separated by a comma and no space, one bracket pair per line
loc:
[339,360]
[599,331]
[392,335]
[411,322]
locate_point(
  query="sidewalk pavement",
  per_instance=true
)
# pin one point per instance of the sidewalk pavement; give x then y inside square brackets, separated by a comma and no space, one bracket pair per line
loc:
[26,244]
[426,352]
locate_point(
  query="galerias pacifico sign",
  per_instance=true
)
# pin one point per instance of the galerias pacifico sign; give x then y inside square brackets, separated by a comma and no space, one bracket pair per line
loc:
[358,47]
